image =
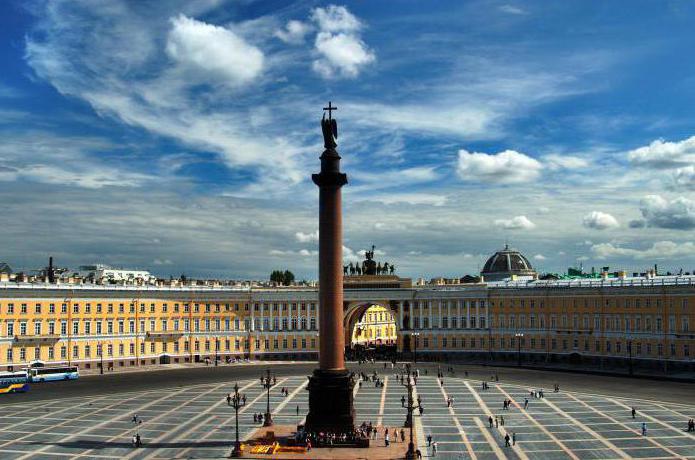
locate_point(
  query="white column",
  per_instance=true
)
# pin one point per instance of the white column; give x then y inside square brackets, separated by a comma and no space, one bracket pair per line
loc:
[429,312]
[448,314]
[477,314]
[458,313]
[419,312]
[439,321]
[251,309]
[400,316]
[468,314]
[261,315]
[410,312]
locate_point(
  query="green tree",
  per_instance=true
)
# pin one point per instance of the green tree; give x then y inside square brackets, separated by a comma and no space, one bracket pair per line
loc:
[285,278]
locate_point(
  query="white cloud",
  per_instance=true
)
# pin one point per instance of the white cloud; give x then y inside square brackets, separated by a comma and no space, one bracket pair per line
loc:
[414,198]
[162,262]
[210,51]
[515,223]
[307,237]
[555,162]
[539,257]
[341,51]
[664,155]
[659,212]
[685,177]
[658,250]
[293,32]
[301,252]
[335,18]
[507,167]
[600,221]
[512,9]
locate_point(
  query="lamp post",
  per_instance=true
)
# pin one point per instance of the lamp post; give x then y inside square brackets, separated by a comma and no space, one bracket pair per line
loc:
[629,351]
[518,336]
[101,357]
[237,403]
[410,455]
[416,335]
[267,384]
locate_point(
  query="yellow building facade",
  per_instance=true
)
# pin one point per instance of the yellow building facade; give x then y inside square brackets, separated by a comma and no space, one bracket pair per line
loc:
[645,320]
[377,326]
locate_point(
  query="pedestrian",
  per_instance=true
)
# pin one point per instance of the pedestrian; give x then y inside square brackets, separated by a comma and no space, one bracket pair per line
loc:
[402,401]
[418,454]
[138,440]
[525,403]
[429,440]
[135,418]
[434,449]
[229,399]
[501,420]
[297,410]
[644,428]
[402,435]
[634,412]
[506,440]
[134,441]
[514,438]
[489,419]
[386,440]
[497,424]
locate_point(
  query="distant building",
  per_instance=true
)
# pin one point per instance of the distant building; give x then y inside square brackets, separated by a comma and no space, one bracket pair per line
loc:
[100,273]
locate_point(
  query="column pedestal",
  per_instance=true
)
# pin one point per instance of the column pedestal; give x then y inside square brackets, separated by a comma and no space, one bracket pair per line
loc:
[331,406]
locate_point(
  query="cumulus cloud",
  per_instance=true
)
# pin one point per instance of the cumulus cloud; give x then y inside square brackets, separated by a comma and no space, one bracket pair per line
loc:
[539,257]
[515,223]
[664,155]
[659,212]
[684,178]
[301,252]
[658,250]
[338,44]
[293,32]
[555,162]
[211,51]
[507,167]
[307,237]
[600,220]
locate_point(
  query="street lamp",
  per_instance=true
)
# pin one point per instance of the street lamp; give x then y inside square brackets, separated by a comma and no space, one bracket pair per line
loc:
[410,455]
[416,335]
[267,384]
[237,403]
[629,351]
[101,357]
[518,336]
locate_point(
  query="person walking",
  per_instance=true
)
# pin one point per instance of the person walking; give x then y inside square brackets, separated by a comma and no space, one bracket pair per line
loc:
[634,412]
[513,438]
[434,449]
[525,403]
[502,420]
[138,440]
[506,440]
[387,440]
[644,428]
[489,419]
[429,440]
[134,441]
[497,422]
[402,401]
[297,410]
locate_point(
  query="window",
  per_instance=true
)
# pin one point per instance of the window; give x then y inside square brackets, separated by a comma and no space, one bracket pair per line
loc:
[98,327]
[87,327]
[75,351]
[51,308]
[37,328]
[37,308]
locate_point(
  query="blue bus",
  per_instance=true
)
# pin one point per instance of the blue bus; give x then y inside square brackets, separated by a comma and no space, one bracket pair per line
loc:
[14,382]
[47,374]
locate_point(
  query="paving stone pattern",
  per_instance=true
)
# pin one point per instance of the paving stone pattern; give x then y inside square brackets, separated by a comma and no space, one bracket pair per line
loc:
[195,422]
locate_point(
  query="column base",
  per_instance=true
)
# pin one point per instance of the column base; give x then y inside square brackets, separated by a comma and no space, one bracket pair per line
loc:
[331,407]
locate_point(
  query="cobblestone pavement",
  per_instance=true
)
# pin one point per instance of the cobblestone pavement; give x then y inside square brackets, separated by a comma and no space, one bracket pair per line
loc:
[195,422]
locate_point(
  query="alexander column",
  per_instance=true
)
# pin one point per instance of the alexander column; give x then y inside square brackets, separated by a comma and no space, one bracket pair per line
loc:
[330,387]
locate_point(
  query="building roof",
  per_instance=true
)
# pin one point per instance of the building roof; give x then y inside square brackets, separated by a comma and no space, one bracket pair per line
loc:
[509,261]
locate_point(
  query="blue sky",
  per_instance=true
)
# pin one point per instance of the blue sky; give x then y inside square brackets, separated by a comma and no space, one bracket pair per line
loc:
[180,136]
